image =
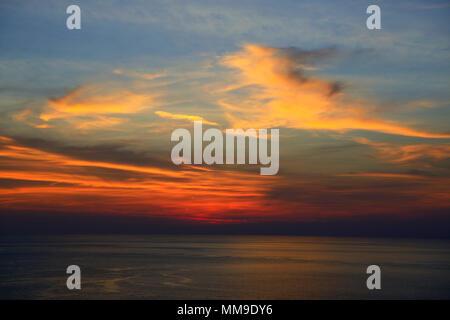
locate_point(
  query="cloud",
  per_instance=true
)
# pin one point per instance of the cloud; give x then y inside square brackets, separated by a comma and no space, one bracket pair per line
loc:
[143,76]
[27,116]
[382,175]
[128,170]
[432,6]
[38,179]
[169,115]
[100,122]
[275,89]
[39,175]
[97,99]
[408,153]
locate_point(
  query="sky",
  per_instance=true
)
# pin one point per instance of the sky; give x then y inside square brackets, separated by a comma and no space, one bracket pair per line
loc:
[87,116]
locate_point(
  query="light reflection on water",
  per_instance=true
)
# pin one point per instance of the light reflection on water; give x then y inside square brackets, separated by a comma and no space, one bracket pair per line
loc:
[223,267]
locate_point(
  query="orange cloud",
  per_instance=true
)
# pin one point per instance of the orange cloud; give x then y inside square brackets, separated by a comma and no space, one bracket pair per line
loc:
[175,116]
[408,153]
[279,93]
[35,180]
[27,116]
[97,99]
[273,89]
[134,74]
[71,184]
[99,123]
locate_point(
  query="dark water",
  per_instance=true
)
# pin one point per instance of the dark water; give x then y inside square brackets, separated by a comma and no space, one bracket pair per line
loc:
[222,267]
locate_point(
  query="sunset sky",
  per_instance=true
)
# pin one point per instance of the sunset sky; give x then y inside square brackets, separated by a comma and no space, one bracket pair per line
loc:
[87,115]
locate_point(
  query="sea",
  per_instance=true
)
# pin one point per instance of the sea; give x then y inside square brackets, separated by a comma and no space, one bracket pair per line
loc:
[222,267]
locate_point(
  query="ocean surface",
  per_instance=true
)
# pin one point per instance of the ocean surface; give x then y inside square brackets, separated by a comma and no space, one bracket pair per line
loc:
[222,267]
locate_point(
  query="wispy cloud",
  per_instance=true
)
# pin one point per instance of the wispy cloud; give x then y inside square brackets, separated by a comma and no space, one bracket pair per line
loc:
[382,175]
[45,180]
[408,153]
[254,87]
[176,116]
[279,92]
[96,99]
[138,75]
